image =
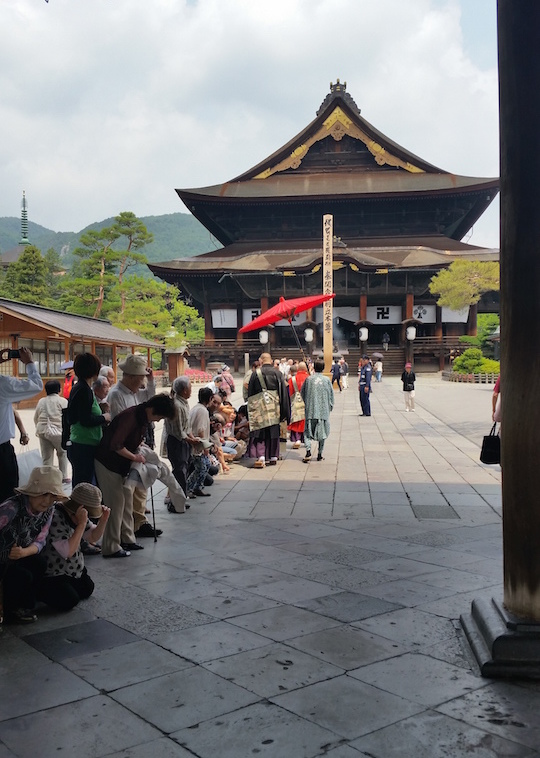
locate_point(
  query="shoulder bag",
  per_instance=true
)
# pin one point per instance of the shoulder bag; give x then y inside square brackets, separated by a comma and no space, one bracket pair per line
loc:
[298,408]
[491,447]
[264,407]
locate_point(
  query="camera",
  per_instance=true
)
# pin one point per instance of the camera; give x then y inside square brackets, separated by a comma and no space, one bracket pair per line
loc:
[14,354]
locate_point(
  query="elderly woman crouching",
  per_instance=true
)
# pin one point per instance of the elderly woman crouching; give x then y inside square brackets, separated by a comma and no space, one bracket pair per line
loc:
[66,580]
[25,519]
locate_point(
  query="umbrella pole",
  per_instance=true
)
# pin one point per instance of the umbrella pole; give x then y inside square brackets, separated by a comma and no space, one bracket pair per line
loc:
[297,340]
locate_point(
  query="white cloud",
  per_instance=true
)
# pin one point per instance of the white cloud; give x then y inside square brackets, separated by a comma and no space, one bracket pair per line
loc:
[108,106]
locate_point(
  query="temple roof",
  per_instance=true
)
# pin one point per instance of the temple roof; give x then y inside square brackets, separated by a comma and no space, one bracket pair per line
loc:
[367,254]
[340,158]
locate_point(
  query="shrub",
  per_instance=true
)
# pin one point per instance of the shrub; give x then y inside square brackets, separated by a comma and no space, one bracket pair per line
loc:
[469,362]
[472,361]
[489,366]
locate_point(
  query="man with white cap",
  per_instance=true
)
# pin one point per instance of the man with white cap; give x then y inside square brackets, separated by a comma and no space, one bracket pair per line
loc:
[136,386]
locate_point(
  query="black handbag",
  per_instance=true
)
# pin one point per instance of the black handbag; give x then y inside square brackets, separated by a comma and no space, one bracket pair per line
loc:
[491,447]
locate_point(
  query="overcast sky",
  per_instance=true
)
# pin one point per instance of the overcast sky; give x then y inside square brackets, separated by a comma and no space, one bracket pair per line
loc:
[109,105]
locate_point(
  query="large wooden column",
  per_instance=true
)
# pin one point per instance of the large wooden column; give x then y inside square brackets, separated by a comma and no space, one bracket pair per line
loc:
[519,64]
[506,638]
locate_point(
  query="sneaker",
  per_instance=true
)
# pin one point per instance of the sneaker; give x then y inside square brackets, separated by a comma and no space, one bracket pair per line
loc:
[22,616]
[146,530]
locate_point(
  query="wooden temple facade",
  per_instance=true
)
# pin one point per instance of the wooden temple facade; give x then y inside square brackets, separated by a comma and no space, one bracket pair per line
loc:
[397,221]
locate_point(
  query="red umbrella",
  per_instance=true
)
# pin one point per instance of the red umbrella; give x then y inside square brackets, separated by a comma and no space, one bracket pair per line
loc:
[286,309]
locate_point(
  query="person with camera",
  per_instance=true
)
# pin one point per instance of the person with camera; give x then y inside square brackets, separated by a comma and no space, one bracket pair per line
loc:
[13,390]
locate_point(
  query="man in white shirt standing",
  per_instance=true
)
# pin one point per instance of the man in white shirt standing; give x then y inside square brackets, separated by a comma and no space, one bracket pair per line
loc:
[136,386]
[13,390]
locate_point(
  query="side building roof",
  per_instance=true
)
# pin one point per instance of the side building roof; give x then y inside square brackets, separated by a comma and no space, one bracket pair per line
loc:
[73,325]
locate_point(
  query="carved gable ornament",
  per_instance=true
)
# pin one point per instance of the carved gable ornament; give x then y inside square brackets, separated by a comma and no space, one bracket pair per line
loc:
[337,125]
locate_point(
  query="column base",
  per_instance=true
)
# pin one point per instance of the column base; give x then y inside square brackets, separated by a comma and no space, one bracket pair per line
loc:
[504,645]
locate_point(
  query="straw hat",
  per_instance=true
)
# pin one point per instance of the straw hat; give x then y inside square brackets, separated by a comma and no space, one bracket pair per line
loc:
[88,496]
[134,365]
[43,480]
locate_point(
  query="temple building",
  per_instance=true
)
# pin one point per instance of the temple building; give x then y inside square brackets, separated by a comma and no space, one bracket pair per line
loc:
[397,221]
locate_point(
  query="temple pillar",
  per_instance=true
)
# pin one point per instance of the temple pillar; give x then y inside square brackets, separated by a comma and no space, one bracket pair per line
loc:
[239,321]
[506,639]
[472,327]
[362,314]
[438,322]
[209,336]
[409,305]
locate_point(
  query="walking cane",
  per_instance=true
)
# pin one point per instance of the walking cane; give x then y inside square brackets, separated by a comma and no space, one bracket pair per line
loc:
[153,512]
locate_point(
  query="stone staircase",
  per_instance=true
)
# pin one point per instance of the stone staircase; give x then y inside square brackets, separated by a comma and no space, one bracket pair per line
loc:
[393,360]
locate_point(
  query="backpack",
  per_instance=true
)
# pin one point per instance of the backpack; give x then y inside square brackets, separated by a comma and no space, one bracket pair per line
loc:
[298,408]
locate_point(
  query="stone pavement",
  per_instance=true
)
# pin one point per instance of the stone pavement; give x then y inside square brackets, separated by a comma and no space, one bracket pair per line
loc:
[301,610]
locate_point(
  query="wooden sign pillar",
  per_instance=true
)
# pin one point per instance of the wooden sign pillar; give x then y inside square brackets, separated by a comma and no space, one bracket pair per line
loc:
[328,288]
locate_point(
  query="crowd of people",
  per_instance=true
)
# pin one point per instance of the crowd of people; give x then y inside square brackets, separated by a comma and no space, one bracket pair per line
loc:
[105,429]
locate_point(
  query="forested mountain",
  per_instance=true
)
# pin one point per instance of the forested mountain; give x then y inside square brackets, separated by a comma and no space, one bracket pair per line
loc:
[176,235]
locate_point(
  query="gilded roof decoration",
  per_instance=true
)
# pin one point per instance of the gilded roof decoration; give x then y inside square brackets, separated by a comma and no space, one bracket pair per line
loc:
[337,125]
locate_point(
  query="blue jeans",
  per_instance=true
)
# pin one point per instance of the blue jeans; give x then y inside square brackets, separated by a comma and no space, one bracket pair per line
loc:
[198,475]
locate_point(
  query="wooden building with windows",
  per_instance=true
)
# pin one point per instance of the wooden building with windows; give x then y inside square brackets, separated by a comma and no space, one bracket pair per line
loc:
[397,221]
[55,336]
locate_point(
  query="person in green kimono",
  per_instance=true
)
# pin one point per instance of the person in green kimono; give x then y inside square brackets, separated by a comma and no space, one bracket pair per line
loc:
[318,397]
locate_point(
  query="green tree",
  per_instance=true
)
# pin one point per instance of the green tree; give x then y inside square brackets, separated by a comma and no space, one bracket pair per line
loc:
[99,265]
[136,235]
[95,285]
[142,307]
[26,278]
[464,282]
[187,322]
[487,324]
[55,270]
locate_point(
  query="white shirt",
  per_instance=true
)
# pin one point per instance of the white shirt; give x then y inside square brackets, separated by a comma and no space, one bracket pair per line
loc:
[13,390]
[200,425]
[121,397]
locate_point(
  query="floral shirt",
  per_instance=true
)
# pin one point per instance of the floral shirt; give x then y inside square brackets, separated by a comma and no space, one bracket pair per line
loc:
[20,526]
[57,548]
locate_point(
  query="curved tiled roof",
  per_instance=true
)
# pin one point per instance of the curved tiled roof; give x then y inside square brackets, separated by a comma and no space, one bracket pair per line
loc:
[73,325]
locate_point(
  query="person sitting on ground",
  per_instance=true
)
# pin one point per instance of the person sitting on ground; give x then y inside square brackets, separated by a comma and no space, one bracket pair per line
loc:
[241,425]
[25,519]
[48,421]
[228,381]
[66,579]
[223,455]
